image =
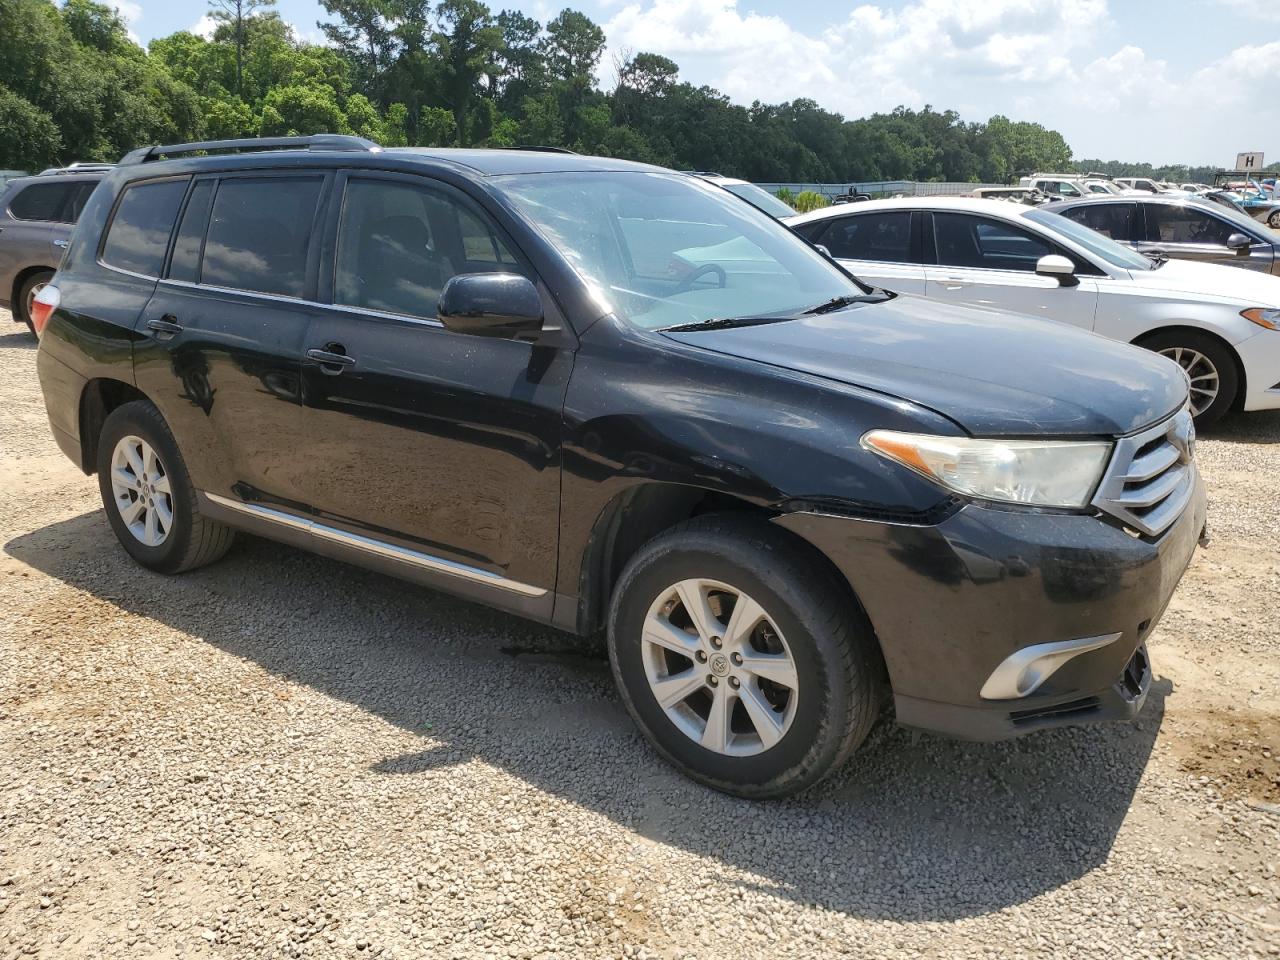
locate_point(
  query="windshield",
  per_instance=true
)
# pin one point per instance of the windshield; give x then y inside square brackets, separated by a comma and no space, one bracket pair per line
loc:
[759,197]
[1100,246]
[665,249]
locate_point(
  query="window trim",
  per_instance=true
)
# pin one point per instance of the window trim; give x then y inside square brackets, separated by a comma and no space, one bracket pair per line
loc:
[1083,266]
[327,285]
[115,209]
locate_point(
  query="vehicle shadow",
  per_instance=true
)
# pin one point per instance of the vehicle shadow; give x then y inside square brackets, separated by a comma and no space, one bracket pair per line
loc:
[913,828]
[1257,426]
[19,339]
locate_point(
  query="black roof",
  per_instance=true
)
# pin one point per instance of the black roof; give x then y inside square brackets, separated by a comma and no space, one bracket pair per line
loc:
[497,162]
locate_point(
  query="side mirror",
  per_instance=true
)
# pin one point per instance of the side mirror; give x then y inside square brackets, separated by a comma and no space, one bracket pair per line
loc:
[490,305]
[1240,243]
[1058,267]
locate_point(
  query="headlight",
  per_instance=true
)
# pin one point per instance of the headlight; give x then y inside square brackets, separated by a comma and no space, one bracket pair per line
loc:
[1042,473]
[1268,317]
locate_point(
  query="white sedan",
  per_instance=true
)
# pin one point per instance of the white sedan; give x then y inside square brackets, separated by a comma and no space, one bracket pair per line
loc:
[1222,325]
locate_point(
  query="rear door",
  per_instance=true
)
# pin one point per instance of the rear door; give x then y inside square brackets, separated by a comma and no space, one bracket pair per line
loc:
[32,218]
[440,443]
[1188,232]
[221,340]
[989,262]
[881,247]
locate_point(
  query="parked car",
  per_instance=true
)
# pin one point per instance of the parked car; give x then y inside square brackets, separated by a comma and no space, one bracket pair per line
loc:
[1222,325]
[37,215]
[1257,202]
[785,497]
[758,197]
[1182,228]
[1056,186]
[1027,195]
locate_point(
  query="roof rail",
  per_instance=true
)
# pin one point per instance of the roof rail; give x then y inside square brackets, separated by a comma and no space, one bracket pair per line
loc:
[319,141]
[79,166]
[544,149]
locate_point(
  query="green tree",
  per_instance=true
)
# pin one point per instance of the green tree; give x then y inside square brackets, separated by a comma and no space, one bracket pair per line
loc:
[234,14]
[467,41]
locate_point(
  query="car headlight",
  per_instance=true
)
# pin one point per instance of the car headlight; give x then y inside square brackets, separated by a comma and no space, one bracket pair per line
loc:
[1041,473]
[1268,317]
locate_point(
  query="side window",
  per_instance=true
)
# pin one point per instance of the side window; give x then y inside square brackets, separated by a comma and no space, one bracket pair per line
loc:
[966,241]
[1114,220]
[1069,190]
[139,232]
[81,195]
[259,234]
[400,242]
[185,262]
[1170,223]
[871,236]
[40,201]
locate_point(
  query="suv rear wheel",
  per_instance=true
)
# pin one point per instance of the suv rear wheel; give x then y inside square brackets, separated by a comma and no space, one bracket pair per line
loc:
[148,496]
[27,295]
[1209,365]
[740,658]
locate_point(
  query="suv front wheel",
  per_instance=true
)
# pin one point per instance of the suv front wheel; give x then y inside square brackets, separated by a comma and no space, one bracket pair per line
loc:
[148,496]
[741,659]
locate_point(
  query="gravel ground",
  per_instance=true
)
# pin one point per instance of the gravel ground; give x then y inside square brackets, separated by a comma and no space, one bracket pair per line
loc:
[284,756]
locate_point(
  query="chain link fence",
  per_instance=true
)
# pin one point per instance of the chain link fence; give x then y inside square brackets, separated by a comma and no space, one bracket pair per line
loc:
[883,188]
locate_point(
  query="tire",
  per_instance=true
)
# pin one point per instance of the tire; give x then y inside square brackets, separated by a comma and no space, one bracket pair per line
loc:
[838,672]
[1183,347]
[30,287]
[190,540]
[1273,221]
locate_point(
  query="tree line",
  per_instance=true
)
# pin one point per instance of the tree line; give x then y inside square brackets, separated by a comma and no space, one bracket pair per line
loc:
[74,86]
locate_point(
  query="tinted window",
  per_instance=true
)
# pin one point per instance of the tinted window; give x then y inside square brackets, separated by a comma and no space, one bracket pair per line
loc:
[1169,223]
[965,241]
[399,243]
[871,236]
[40,201]
[1114,220]
[79,197]
[185,262]
[139,231]
[259,234]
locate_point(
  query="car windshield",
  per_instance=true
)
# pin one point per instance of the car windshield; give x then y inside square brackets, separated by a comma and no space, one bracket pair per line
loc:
[1095,243]
[666,249]
[759,197]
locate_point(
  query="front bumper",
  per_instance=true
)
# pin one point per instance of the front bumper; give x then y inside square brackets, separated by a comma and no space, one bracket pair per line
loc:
[951,601]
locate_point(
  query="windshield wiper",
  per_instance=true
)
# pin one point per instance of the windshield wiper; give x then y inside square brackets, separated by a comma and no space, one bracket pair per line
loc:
[1158,258]
[722,323]
[839,303]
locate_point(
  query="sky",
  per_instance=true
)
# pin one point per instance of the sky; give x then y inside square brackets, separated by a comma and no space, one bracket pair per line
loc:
[1178,81]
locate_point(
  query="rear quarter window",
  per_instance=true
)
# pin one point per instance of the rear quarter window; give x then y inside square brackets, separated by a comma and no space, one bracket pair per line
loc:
[40,201]
[138,235]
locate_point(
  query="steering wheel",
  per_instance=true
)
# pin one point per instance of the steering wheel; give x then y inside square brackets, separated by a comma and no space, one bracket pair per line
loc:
[688,282]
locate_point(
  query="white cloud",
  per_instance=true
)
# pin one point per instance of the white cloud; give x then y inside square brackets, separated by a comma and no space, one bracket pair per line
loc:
[1057,62]
[130,12]
[204,27]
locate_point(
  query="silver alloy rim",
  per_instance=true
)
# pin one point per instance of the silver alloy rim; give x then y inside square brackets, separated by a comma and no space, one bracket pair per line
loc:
[719,667]
[31,297]
[1202,373]
[140,488]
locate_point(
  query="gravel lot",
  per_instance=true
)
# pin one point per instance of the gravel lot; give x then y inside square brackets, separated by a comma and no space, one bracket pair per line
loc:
[284,756]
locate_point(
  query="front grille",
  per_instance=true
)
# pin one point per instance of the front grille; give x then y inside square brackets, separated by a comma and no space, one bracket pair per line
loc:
[1151,476]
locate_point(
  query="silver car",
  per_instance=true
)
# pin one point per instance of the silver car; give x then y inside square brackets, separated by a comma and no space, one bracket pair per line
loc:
[1183,228]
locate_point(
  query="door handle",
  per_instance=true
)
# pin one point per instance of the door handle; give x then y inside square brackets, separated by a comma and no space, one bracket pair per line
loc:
[331,361]
[165,326]
[61,243]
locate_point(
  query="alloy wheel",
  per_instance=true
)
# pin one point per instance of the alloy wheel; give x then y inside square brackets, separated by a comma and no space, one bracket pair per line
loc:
[719,667]
[1202,373]
[141,490]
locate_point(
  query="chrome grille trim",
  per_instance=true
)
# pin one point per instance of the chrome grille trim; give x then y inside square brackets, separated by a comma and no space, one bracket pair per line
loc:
[1151,475]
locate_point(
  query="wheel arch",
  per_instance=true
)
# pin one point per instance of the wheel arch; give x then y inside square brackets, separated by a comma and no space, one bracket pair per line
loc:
[98,399]
[20,278]
[1140,341]
[641,513]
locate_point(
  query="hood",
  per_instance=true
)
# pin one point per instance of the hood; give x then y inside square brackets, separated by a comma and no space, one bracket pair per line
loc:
[1210,283]
[994,373]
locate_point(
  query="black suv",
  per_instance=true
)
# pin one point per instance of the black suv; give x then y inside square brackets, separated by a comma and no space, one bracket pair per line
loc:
[612,397]
[37,215]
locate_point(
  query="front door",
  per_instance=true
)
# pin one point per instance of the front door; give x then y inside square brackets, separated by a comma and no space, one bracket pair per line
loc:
[877,247]
[991,263]
[445,444]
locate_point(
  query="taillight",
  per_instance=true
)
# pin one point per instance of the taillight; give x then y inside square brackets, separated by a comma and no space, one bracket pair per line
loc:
[42,307]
